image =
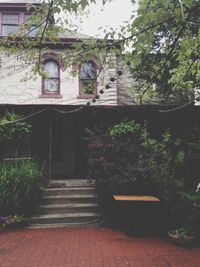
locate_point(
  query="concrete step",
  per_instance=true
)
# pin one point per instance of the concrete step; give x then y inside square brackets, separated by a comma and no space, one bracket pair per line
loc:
[65,218]
[67,203]
[71,183]
[68,208]
[67,199]
[61,225]
[69,190]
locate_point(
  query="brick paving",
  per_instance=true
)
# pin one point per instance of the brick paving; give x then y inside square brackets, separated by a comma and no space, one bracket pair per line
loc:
[90,247]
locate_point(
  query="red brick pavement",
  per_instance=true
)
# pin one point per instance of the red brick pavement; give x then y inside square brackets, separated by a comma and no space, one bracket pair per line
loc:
[90,247]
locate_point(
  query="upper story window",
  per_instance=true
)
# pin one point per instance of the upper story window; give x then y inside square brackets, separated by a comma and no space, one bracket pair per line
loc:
[13,23]
[10,24]
[87,78]
[32,29]
[51,78]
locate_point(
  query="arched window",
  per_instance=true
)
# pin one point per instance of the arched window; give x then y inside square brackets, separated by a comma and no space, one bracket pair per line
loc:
[88,78]
[51,78]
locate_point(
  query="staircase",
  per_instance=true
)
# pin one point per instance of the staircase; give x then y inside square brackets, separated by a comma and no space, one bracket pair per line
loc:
[67,203]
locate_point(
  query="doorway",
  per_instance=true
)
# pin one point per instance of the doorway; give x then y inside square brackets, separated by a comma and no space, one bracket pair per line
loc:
[57,144]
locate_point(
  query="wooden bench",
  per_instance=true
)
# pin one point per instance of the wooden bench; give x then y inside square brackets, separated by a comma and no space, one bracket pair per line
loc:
[136,213]
[135,198]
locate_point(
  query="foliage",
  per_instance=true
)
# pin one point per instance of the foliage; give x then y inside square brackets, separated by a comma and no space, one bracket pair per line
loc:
[12,220]
[189,210]
[21,184]
[191,137]
[88,88]
[126,159]
[124,127]
[181,232]
[12,126]
[165,46]
[162,37]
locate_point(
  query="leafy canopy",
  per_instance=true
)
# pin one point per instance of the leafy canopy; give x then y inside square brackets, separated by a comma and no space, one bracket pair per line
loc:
[162,37]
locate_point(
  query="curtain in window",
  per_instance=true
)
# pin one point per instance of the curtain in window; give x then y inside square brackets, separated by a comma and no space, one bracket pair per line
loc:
[51,82]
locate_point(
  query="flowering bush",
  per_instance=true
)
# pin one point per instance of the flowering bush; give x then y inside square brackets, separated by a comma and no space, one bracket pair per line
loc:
[12,220]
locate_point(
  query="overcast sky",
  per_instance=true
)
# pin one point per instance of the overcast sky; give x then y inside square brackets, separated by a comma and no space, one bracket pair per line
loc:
[113,15]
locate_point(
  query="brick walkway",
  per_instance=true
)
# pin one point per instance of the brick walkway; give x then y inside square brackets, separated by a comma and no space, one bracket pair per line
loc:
[90,247]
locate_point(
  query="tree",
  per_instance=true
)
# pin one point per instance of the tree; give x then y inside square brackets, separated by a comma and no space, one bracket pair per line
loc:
[167,53]
[163,40]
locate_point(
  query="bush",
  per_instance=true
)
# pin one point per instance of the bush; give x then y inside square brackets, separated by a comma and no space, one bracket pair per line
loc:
[125,159]
[13,126]
[21,184]
[188,208]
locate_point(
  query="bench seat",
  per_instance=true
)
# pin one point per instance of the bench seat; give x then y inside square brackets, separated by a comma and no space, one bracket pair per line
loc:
[135,198]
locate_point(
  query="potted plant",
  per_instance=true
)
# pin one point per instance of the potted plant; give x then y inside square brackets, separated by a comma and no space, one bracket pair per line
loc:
[181,236]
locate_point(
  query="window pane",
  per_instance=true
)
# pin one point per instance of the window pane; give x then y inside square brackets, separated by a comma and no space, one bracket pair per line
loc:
[88,71]
[50,85]
[27,17]
[51,68]
[32,31]
[10,19]
[9,29]
[31,28]
[88,86]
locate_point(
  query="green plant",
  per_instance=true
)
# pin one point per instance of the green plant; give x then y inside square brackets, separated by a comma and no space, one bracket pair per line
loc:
[88,87]
[181,236]
[188,209]
[125,159]
[21,184]
[123,128]
[13,125]
[14,136]
[181,233]
[12,220]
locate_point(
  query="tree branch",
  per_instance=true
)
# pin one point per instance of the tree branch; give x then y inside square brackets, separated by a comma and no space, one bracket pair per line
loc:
[43,33]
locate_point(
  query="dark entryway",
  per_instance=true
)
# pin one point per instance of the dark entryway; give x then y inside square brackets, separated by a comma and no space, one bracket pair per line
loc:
[57,143]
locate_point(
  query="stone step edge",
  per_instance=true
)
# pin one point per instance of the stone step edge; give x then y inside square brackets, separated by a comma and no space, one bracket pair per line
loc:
[71,183]
[89,181]
[69,205]
[93,223]
[63,215]
[49,189]
[69,196]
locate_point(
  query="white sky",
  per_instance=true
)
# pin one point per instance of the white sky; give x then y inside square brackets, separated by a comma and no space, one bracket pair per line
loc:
[113,15]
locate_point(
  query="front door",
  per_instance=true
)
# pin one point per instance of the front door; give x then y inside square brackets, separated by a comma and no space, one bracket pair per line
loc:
[57,143]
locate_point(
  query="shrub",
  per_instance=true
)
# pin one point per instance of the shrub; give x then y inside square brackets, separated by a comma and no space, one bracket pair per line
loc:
[125,159]
[21,184]
[118,157]
[14,134]
[13,126]
[188,209]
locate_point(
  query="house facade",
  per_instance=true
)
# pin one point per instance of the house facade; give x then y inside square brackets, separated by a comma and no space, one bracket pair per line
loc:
[61,101]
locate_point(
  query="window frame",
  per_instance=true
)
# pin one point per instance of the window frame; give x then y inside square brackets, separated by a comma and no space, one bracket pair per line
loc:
[87,95]
[3,24]
[55,94]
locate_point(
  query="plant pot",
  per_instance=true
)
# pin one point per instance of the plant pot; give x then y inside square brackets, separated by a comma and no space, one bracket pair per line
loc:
[180,240]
